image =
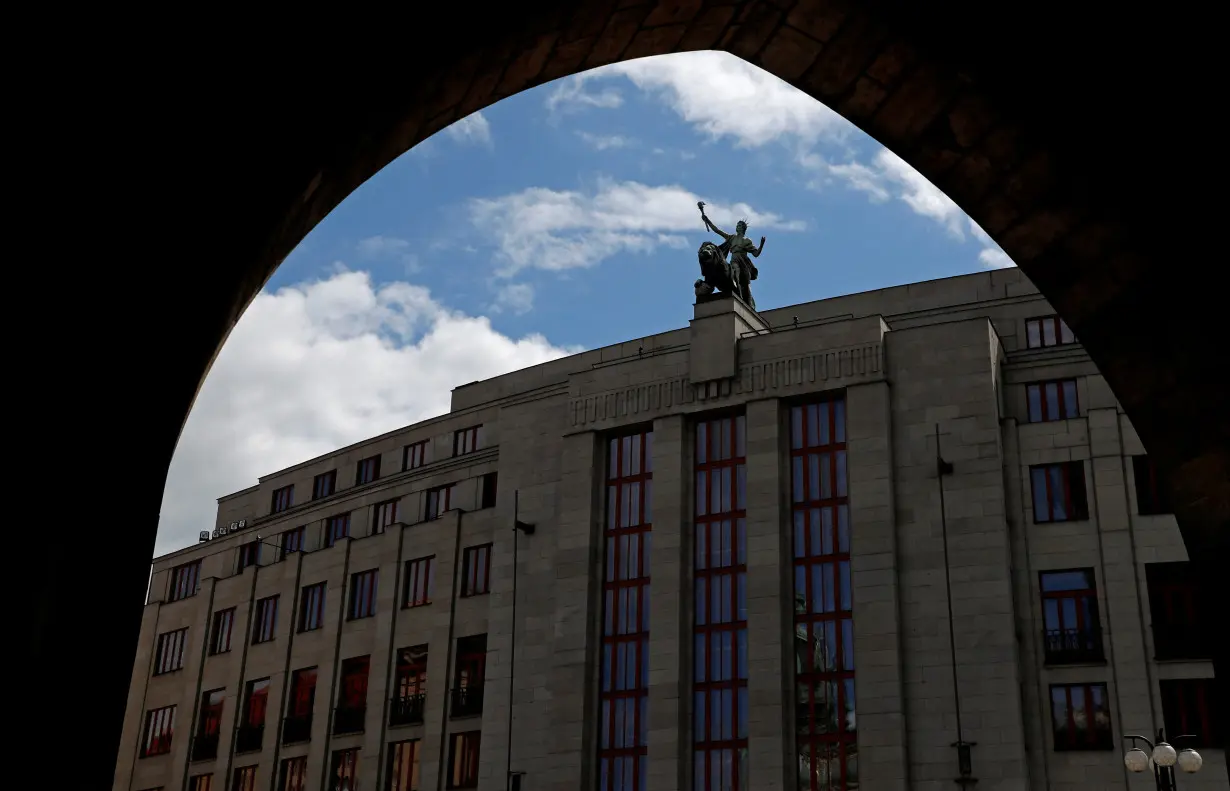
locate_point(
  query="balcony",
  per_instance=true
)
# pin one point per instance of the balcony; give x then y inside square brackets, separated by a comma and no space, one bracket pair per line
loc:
[1072,646]
[348,719]
[1180,641]
[248,738]
[296,729]
[466,702]
[204,747]
[407,710]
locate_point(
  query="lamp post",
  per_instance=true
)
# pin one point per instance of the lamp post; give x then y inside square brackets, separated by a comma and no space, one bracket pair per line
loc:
[1162,757]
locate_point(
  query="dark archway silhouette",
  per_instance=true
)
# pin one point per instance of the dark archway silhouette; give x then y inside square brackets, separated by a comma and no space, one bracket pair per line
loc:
[1030,117]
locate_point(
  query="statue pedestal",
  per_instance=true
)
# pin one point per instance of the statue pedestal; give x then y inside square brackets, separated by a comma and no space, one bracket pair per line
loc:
[719,321]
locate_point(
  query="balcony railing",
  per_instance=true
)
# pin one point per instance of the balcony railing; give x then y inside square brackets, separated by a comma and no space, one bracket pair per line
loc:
[407,710]
[296,729]
[348,719]
[1072,646]
[248,738]
[1180,642]
[466,702]
[204,747]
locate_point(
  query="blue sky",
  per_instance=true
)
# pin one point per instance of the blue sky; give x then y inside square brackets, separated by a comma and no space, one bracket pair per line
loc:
[561,218]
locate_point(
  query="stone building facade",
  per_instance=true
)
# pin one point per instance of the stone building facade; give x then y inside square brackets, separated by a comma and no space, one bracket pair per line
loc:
[738,576]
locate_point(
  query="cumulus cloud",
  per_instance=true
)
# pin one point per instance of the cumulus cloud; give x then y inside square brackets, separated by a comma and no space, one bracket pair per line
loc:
[515,298]
[473,128]
[317,366]
[557,230]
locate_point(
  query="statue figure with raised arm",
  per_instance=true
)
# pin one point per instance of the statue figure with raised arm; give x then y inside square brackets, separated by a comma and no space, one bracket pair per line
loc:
[733,276]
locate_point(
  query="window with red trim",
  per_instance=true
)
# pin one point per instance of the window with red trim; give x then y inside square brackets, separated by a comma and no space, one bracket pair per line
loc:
[720,706]
[420,574]
[158,731]
[312,607]
[324,485]
[1151,495]
[1072,631]
[344,770]
[383,515]
[265,620]
[249,555]
[255,703]
[169,654]
[362,594]
[220,632]
[283,499]
[210,722]
[1047,331]
[367,470]
[463,759]
[293,774]
[1051,401]
[201,783]
[414,455]
[439,500]
[1177,610]
[1080,717]
[476,570]
[302,693]
[352,691]
[336,528]
[185,581]
[627,540]
[404,765]
[411,674]
[244,778]
[292,540]
[1059,492]
[1189,707]
[471,660]
[467,440]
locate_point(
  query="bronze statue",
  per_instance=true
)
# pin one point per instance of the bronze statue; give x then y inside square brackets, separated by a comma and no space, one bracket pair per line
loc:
[734,276]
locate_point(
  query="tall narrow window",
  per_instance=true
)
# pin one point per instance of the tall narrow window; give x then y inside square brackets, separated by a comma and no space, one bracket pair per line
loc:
[383,515]
[404,766]
[209,725]
[1047,331]
[249,555]
[468,675]
[265,622]
[324,485]
[292,540]
[439,500]
[362,595]
[158,731]
[1151,496]
[169,654]
[490,482]
[720,708]
[1050,401]
[628,532]
[1059,492]
[344,770]
[1177,610]
[409,686]
[244,778]
[476,570]
[419,578]
[336,528]
[466,440]
[415,455]
[1070,615]
[298,724]
[252,717]
[220,631]
[201,783]
[283,499]
[825,722]
[352,696]
[293,776]
[1080,717]
[463,759]
[367,470]
[185,581]
[1188,707]
[312,607]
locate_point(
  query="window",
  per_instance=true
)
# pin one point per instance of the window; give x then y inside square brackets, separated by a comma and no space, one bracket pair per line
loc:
[1050,401]
[185,581]
[624,693]
[292,541]
[362,595]
[201,783]
[1059,492]
[266,620]
[404,766]
[344,770]
[312,607]
[244,779]
[463,759]
[466,440]
[383,515]
[249,554]
[720,707]
[283,499]
[439,500]
[209,725]
[337,528]
[1151,495]
[1177,612]
[256,703]
[352,696]
[220,632]
[825,721]
[409,686]
[476,566]
[324,484]
[159,728]
[1080,717]
[367,470]
[490,482]
[169,654]
[1189,707]
[1047,331]
[293,774]
[468,675]
[419,578]
[298,724]
[1070,617]
[415,455]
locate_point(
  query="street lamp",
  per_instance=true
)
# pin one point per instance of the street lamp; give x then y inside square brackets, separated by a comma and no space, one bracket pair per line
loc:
[1163,758]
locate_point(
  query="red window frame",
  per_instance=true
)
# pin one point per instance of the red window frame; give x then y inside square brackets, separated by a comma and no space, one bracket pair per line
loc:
[476,571]
[439,499]
[471,667]
[201,782]
[158,732]
[719,734]
[1070,608]
[244,778]
[185,581]
[302,693]
[466,440]
[1067,701]
[414,455]
[292,540]
[312,607]
[345,765]
[336,528]
[294,774]
[490,486]
[404,765]
[363,586]
[249,554]
[220,631]
[411,675]
[1152,499]
[1175,607]
[383,515]
[352,688]
[420,576]
[1052,400]
[1059,493]
[283,499]
[1189,707]
[1045,331]
[324,485]
[367,470]
[169,655]
[265,622]
[210,722]
[624,687]
[463,752]
[255,703]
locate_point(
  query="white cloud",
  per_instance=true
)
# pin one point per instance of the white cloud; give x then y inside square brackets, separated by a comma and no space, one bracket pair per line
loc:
[473,128]
[516,298]
[557,230]
[571,94]
[604,142]
[315,367]
[995,258]
[388,248]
